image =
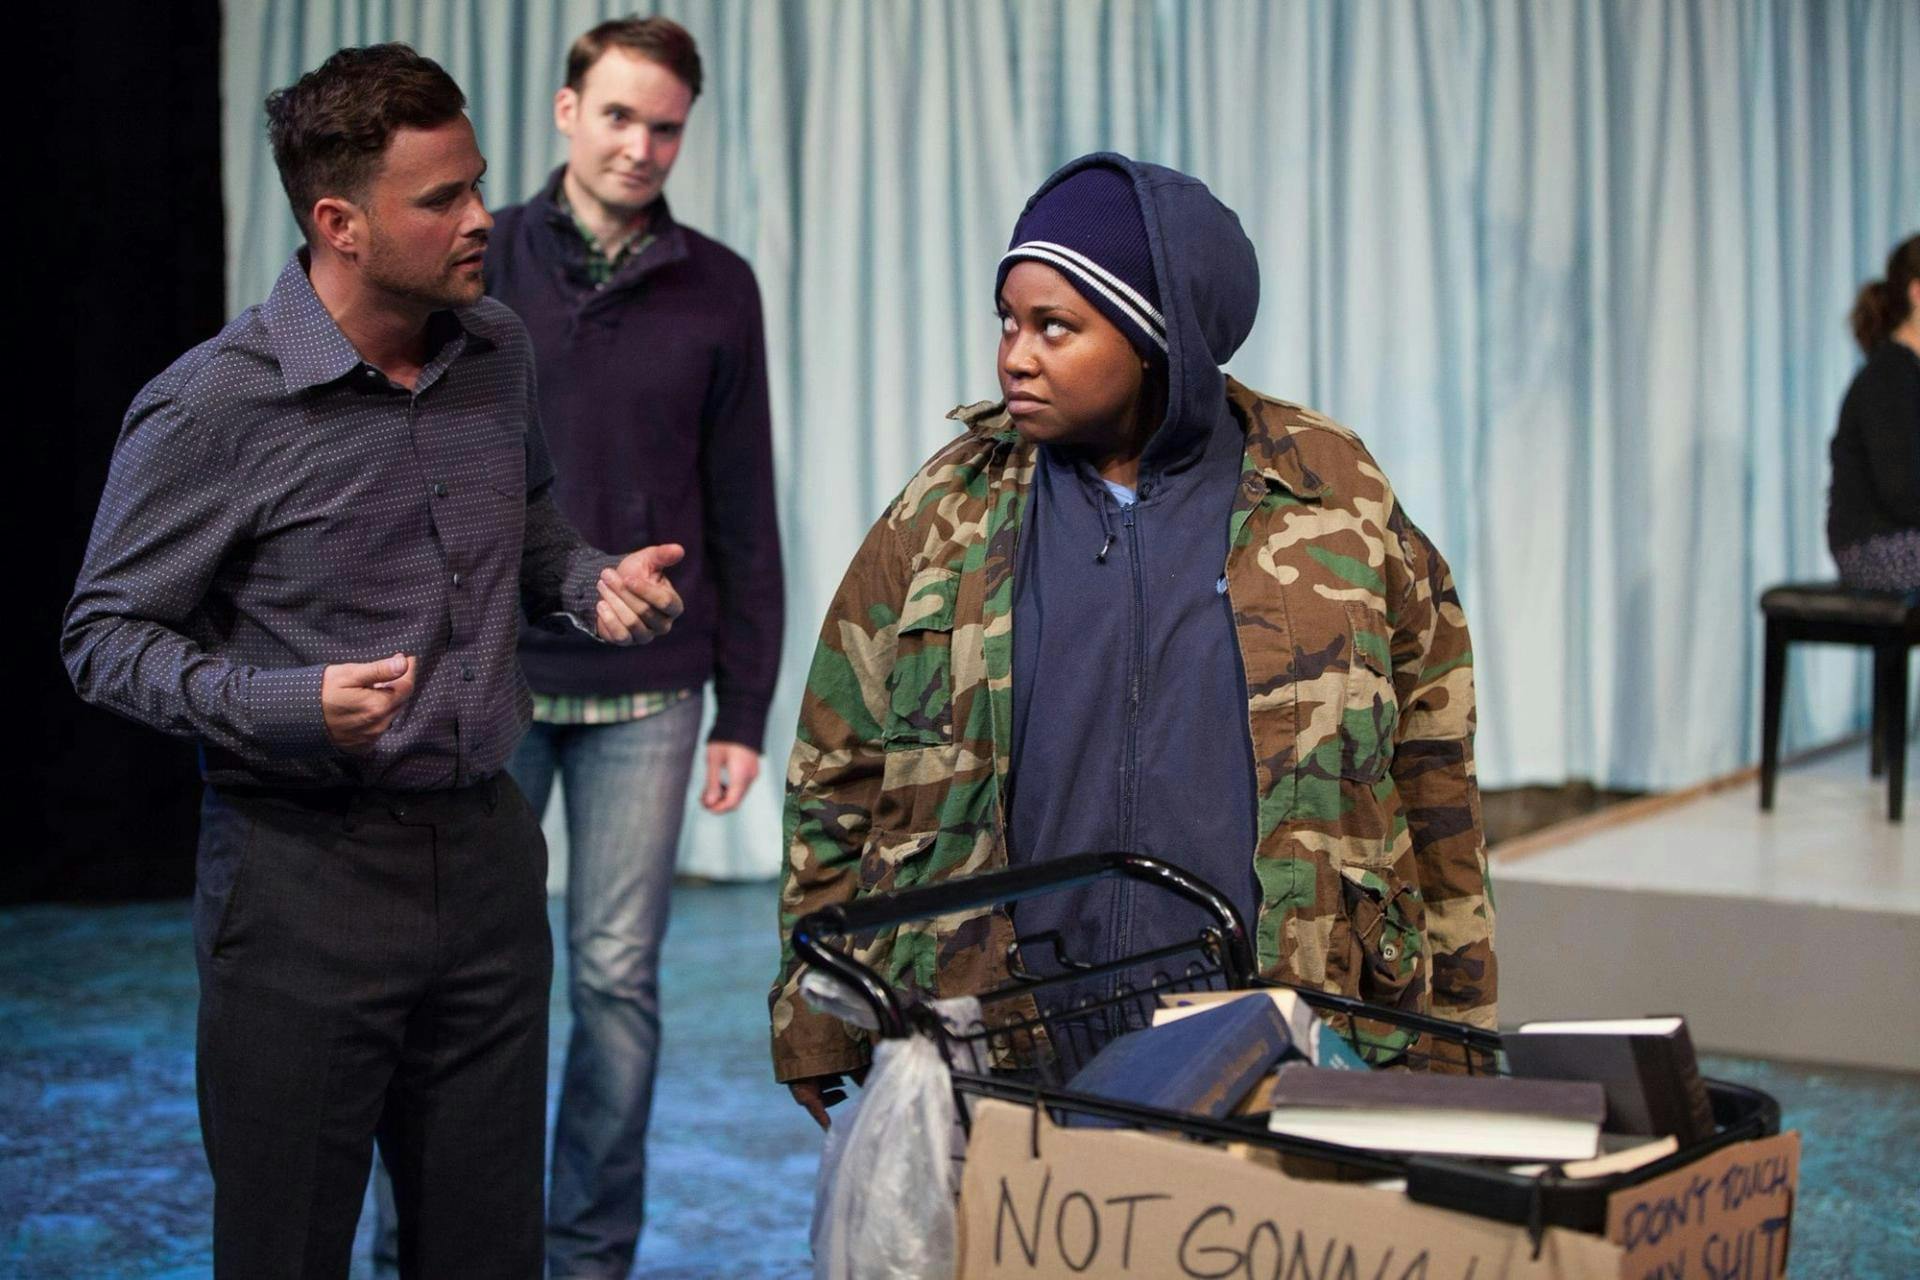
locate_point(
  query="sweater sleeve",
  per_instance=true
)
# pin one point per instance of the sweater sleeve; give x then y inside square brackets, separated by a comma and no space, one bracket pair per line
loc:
[742,532]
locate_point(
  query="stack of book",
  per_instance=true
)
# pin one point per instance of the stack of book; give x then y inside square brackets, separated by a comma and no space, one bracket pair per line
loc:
[1646,1065]
[1494,1117]
[1211,1053]
[1309,1039]
[1606,1095]
[1589,1096]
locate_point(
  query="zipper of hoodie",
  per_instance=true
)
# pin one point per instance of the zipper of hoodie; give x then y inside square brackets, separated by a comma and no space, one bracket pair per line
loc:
[1120,926]
[1136,674]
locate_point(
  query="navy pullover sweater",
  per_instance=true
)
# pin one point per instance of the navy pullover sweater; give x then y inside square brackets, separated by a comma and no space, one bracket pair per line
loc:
[653,394]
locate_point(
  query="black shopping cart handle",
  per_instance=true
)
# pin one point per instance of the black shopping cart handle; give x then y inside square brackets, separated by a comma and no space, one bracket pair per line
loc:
[994,888]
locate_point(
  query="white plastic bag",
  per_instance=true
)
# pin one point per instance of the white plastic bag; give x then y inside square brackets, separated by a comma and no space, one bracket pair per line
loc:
[884,1202]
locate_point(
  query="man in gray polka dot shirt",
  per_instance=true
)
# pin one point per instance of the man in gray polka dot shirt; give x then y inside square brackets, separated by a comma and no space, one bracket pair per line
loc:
[319,532]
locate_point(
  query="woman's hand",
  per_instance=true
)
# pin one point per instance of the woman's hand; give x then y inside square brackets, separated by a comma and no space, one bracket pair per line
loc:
[817,1093]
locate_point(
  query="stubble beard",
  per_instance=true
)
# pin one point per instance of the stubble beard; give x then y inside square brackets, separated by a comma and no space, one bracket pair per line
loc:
[434,289]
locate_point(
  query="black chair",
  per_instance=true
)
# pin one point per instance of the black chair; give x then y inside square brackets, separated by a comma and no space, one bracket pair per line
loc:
[1827,613]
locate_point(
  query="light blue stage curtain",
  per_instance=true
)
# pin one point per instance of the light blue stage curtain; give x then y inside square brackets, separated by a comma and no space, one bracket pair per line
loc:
[1577,272]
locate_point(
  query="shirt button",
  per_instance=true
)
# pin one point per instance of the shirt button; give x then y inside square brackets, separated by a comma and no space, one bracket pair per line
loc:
[456,581]
[466,673]
[439,489]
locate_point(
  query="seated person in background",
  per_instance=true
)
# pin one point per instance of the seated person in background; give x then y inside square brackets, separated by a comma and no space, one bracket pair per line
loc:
[1873,508]
[1138,606]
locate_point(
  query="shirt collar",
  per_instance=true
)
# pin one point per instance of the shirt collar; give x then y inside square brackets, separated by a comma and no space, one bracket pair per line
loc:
[635,237]
[309,347]
[305,341]
[660,223]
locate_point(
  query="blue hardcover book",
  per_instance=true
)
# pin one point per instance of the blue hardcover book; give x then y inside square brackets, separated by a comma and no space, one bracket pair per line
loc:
[1311,1039]
[1202,1064]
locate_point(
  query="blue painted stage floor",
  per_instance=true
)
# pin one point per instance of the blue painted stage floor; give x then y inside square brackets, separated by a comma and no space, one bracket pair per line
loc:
[101,1172]
[101,1175]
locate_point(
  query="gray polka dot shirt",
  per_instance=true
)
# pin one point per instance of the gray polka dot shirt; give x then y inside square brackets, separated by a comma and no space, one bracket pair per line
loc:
[275,504]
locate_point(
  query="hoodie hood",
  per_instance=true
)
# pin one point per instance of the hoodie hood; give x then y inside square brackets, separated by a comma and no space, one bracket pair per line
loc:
[1208,281]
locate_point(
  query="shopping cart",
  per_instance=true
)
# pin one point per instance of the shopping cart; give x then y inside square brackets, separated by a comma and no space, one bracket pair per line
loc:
[1034,1033]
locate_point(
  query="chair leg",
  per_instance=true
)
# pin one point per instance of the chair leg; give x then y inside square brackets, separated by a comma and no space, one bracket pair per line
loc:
[1893,661]
[1879,728]
[1773,690]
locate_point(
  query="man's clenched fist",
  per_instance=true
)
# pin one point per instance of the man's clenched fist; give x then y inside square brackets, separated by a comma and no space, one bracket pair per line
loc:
[361,699]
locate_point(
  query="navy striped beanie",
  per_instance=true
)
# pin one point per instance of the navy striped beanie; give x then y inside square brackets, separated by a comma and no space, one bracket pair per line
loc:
[1088,228]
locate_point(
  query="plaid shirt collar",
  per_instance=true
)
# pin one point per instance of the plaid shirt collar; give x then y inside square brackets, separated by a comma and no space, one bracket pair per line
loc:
[592,262]
[582,258]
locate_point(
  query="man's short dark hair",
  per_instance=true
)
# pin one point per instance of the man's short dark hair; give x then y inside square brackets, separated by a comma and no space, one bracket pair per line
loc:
[656,39]
[330,128]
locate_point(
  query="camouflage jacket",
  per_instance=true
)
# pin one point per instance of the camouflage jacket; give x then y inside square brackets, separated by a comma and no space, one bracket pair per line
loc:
[1369,855]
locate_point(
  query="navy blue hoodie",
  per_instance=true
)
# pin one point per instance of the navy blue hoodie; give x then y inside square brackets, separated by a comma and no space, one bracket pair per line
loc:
[1130,713]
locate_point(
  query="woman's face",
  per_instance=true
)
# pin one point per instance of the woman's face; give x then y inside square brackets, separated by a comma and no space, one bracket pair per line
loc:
[1069,376]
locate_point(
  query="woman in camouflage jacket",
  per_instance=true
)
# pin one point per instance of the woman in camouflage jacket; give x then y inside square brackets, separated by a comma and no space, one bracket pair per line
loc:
[1362,857]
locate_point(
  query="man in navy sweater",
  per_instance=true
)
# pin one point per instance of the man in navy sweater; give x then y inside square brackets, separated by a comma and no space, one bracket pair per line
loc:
[653,387]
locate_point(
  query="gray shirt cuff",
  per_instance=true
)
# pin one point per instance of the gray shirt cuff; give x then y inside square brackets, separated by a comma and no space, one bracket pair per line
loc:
[284,707]
[581,591]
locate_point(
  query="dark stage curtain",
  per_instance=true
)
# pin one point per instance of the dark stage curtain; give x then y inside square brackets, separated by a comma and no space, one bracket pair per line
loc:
[120,247]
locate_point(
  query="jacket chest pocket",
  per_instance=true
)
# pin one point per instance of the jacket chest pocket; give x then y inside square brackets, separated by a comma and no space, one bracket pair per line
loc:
[920,683]
[1370,711]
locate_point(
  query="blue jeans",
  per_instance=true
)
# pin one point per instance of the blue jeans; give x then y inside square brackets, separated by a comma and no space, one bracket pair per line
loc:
[625,792]
[626,789]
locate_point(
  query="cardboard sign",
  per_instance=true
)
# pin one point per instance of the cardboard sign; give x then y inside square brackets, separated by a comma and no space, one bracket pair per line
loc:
[1726,1217]
[1103,1202]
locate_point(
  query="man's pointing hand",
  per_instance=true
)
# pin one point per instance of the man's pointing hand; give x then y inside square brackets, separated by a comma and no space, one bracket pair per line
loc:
[637,603]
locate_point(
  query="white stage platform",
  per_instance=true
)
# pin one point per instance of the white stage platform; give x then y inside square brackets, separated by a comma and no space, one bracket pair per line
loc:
[1791,935]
